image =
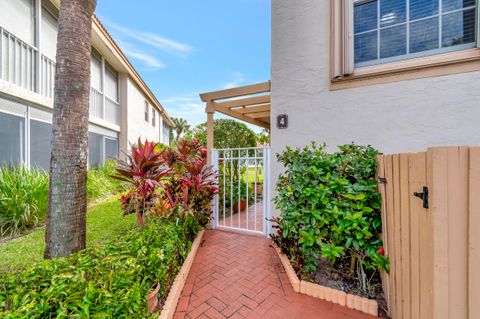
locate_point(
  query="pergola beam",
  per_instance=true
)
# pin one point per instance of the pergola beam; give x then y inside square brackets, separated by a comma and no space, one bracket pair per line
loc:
[253,109]
[236,92]
[239,116]
[249,101]
[258,115]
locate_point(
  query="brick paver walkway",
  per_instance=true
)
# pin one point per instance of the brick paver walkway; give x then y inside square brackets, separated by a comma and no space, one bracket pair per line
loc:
[240,276]
[249,221]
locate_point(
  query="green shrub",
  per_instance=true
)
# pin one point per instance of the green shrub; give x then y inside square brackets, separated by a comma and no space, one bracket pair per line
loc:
[24,195]
[330,209]
[100,184]
[108,281]
[23,199]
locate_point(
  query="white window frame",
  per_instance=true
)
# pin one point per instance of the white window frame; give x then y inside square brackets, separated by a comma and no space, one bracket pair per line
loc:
[154,117]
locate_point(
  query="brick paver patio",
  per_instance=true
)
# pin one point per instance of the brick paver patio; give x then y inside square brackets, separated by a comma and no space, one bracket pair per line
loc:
[240,276]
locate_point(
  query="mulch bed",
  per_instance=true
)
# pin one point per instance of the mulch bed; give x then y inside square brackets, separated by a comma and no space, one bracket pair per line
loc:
[339,278]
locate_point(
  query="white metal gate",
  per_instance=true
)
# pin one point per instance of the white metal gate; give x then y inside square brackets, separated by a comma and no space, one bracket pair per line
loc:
[243,199]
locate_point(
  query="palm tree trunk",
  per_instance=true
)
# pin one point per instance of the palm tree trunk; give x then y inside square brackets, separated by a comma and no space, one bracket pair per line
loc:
[66,221]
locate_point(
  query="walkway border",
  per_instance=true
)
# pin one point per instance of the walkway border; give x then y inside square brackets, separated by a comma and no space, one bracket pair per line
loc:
[170,305]
[365,305]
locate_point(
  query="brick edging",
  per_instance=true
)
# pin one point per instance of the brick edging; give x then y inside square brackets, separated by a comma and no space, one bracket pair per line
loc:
[170,304]
[369,306]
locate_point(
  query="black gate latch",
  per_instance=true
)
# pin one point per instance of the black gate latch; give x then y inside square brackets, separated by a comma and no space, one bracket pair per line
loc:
[423,196]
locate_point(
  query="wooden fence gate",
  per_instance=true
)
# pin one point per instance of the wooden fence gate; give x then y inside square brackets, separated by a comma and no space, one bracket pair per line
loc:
[431,233]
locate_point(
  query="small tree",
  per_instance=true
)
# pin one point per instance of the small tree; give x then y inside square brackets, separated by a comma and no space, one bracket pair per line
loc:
[228,134]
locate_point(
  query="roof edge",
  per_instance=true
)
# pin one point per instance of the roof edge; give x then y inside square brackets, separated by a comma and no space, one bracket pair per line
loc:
[133,72]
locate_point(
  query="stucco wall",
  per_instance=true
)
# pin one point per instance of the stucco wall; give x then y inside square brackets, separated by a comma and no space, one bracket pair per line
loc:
[396,117]
[137,126]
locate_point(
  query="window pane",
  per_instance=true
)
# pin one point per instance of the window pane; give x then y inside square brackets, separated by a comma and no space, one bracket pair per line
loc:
[392,12]
[95,150]
[11,139]
[111,148]
[458,28]
[111,112]
[40,144]
[49,34]
[96,72]
[449,5]
[111,84]
[424,35]
[366,47]
[166,134]
[18,17]
[366,16]
[393,41]
[423,8]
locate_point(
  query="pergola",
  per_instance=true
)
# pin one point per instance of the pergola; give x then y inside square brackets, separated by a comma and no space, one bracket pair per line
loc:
[250,103]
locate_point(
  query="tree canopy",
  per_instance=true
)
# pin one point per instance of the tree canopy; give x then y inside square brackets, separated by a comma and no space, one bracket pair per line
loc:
[228,134]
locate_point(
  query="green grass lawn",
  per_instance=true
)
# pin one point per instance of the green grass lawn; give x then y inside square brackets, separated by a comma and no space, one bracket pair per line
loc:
[104,221]
[251,175]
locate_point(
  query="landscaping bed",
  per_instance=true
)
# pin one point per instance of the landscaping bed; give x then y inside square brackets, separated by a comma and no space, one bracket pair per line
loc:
[107,281]
[127,270]
[339,278]
[330,222]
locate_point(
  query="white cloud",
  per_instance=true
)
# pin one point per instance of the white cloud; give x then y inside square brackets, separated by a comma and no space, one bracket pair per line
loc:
[237,80]
[149,60]
[187,106]
[152,39]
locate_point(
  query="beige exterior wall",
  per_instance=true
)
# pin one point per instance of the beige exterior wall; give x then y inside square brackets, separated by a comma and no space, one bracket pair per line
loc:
[395,117]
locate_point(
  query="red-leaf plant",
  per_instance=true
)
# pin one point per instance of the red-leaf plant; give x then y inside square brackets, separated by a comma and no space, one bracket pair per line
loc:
[143,169]
[193,183]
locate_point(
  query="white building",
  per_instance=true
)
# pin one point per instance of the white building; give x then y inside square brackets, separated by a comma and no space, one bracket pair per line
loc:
[122,107]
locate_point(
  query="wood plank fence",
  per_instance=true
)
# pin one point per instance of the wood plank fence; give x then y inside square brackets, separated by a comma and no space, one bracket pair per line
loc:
[434,252]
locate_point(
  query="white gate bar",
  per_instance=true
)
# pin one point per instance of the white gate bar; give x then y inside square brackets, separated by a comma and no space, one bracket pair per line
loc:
[215,199]
[246,181]
[255,190]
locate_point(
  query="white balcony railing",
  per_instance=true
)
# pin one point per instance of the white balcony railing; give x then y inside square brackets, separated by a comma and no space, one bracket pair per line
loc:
[103,107]
[18,61]
[47,76]
[18,65]
[96,103]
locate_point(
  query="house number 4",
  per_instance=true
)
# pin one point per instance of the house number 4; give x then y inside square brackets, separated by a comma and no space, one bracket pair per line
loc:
[282,121]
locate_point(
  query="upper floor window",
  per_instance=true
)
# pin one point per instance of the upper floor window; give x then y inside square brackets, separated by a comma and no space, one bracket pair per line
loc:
[96,71]
[154,117]
[111,82]
[391,30]
[49,30]
[147,112]
[18,17]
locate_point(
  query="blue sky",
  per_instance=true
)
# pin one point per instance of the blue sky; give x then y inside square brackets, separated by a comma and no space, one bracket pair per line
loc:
[185,47]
